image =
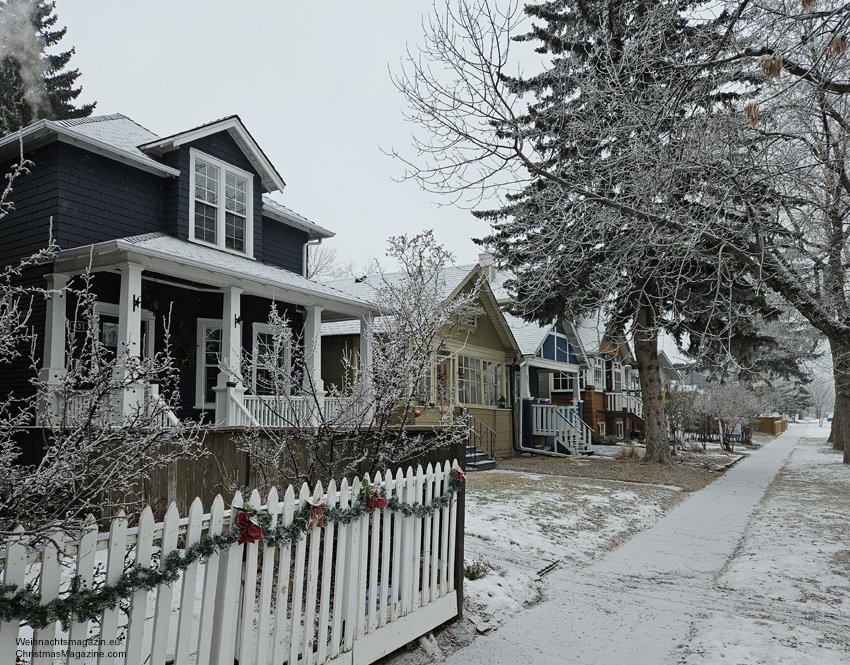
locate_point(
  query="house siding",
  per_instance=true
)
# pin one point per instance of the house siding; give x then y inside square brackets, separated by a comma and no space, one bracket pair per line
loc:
[26,229]
[283,245]
[101,199]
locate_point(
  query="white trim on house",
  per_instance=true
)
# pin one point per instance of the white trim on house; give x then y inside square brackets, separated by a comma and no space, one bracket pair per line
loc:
[233,125]
[200,362]
[224,169]
[112,310]
[264,329]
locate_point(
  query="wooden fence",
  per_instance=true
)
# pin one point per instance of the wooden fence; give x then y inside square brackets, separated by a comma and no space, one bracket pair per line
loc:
[342,594]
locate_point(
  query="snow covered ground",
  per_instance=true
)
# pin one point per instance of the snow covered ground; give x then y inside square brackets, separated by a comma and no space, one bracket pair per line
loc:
[789,580]
[779,596]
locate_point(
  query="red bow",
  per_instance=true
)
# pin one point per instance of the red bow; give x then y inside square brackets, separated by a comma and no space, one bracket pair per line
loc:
[316,516]
[248,531]
[374,498]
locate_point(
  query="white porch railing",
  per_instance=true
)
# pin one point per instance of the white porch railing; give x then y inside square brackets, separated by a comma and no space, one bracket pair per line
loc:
[634,404]
[76,408]
[345,594]
[273,411]
[296,411]
[614,401]
[562,422]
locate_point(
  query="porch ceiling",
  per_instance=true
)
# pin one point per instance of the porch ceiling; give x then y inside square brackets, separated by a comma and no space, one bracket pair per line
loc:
[170,256]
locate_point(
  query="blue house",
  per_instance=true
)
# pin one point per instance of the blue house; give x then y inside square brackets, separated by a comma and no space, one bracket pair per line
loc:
[183,225]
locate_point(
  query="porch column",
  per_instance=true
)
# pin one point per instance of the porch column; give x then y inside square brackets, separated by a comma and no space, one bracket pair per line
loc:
[53,365]
[129,336]
[228,387]
[524,387]
[311,381]
[366,353]
[53,362]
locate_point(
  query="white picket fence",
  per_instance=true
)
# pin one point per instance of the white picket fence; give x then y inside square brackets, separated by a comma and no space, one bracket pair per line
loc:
[343,594]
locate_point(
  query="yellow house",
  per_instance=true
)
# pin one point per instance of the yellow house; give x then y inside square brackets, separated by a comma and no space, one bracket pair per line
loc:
[471,368]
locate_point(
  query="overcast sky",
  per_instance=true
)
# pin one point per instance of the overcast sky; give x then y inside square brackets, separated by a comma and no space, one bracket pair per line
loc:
[310,81]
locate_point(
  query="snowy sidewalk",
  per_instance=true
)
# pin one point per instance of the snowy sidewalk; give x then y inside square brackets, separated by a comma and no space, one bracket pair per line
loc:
[664,596]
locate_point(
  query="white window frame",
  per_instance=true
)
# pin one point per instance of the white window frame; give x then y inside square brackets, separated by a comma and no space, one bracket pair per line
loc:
[600,426]
[265,329]
[620,429]
[110,309]
[223,169]
[200,361]
[598,374]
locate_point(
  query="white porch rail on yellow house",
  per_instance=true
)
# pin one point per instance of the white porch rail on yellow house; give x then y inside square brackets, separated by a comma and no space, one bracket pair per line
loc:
[345,594]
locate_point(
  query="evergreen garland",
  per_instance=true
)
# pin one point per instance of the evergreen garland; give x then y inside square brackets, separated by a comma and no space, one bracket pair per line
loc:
[86,604]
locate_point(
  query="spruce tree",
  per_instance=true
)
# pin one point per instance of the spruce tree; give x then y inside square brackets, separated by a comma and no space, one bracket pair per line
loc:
[34,84]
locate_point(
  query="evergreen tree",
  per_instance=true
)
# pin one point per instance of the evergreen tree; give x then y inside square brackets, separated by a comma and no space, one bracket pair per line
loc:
[34,84]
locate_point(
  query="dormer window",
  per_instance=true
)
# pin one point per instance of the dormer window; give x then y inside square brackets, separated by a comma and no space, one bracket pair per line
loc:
[221,204]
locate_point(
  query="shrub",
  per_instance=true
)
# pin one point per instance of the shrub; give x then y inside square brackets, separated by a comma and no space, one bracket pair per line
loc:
[628,452]
[476,569]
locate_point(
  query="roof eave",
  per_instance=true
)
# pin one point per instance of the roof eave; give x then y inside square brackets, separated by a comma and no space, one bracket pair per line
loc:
[45,128]
[233,125]
[313,230]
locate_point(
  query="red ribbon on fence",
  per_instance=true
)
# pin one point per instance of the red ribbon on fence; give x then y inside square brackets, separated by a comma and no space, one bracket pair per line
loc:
[248,531]
[316,516]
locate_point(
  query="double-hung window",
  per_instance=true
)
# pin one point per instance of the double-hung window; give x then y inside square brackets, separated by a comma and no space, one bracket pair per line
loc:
[221,204]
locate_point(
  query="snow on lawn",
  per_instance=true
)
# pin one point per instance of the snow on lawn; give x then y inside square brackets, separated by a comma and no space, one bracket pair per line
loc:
[790,577]
[517,524]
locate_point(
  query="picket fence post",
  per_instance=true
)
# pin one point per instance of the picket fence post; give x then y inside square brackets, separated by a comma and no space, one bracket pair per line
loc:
[228,587]
[266,583]
[138,601]
[49,581]
[85,571]
[114,569]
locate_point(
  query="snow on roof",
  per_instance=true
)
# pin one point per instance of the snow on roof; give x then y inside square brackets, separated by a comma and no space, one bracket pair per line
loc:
[366,286]
[120,136]
[187,253]
[529,335]
[281,213]
[115,129]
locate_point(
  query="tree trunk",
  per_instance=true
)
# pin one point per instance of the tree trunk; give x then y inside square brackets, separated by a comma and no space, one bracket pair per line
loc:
[840,433]
[646,351]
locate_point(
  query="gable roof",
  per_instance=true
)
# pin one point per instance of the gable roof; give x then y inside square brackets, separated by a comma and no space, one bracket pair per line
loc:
[455,278]
[530,336]
[121,138]
[232,125]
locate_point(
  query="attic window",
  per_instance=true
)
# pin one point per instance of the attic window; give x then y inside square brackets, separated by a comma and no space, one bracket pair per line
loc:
[221,204]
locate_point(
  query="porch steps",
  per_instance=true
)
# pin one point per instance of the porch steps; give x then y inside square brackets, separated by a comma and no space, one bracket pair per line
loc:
[478,460]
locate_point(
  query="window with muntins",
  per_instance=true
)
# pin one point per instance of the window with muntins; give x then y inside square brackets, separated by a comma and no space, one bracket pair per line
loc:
[479,381]
[209,355]
[221,204]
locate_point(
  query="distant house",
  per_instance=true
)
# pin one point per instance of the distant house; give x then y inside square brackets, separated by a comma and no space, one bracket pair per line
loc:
[547,388]
[612,401]
[180,226]
[471,371]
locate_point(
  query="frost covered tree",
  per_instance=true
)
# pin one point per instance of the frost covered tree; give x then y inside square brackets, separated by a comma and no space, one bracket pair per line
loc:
[370,425]
[788,159]
[35,82]
[602,209]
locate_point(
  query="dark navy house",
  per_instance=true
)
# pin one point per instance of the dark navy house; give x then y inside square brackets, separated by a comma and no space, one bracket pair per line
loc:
[181,224]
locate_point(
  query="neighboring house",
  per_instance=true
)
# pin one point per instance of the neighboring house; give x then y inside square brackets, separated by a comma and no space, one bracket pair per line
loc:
[471,369]
[671,378]
[599,377]
[179,226]
[612,402]
[547,382]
